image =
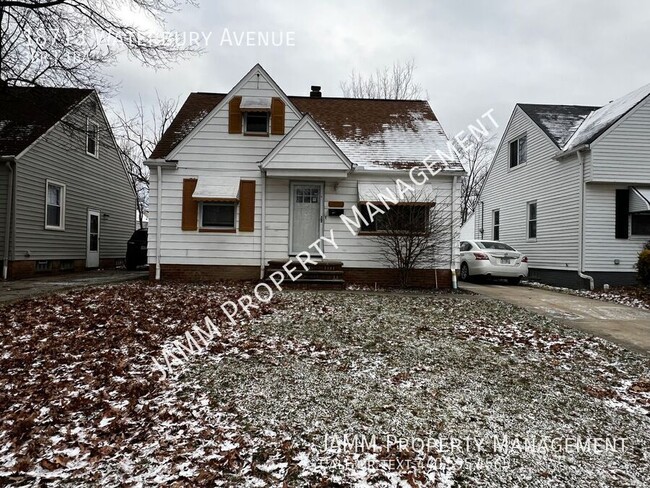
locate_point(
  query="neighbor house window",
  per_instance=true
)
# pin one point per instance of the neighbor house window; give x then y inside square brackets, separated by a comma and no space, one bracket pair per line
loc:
[532,220]
[400,218]
[218,215]
[496,223]
[54,206]
[256,123]
[640,224]
[518,151]
[92,131]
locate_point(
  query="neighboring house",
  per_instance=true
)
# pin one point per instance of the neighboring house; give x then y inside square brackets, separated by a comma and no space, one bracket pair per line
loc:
[66,201]
[244,180]
[570,187]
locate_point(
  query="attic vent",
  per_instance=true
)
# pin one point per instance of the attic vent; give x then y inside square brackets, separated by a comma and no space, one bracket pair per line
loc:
[315,92]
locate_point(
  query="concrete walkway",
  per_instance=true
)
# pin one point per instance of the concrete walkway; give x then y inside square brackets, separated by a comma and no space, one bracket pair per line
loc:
[12,291]
[626,326]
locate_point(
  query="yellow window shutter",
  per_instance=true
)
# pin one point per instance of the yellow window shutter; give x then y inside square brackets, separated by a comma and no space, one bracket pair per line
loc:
[190,207]
[234,116]
[247,206]
[277,117]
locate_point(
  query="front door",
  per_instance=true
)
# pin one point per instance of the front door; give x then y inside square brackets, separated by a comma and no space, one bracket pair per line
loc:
[306,212]
[92,241]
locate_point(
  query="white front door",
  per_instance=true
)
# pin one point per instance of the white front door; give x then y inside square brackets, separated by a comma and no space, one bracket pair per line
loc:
[92,241]
[306,215]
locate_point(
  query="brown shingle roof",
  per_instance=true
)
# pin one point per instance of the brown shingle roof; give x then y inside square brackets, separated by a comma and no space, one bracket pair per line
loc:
[378,133]
[28,112]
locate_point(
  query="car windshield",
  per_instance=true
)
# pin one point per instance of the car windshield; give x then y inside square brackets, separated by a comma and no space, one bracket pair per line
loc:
[499,246]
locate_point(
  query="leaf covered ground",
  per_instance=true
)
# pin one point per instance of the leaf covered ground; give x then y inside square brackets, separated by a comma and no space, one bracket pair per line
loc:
[282,399]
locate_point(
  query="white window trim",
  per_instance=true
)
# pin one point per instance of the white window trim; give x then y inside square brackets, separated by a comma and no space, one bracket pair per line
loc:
[88,124]
[630,235]
[63,197]
[519,165]
[254,133]
[234,220]
[496,210]
[528,220]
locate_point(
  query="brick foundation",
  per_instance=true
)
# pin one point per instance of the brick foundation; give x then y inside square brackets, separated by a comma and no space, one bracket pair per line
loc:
[420,278]
[199,272]
[27,268]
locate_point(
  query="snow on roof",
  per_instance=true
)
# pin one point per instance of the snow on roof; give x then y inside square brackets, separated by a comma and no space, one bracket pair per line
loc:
[559,122]
[374,134]
[602,119]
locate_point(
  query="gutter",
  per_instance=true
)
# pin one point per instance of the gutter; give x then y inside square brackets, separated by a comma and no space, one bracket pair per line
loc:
[576,149]
[263,224]
[454,281]
[9,160]
[581,237]
[159,164]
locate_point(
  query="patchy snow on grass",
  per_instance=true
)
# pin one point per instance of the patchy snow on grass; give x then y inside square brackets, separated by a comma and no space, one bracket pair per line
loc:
[317,389]
[636,297]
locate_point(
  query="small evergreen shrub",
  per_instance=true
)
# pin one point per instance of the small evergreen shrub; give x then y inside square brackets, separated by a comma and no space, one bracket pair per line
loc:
[643,265]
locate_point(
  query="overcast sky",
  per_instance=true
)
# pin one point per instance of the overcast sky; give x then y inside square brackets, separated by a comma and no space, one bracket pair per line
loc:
[471,56]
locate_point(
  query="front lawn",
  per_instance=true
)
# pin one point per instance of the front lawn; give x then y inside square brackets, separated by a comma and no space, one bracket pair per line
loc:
[318,389]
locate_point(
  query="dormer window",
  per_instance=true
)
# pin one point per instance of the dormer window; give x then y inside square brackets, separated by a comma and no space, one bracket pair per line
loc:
[256,123]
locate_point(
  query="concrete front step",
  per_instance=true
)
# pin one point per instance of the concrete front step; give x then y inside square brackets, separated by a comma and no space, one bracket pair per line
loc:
[325,274]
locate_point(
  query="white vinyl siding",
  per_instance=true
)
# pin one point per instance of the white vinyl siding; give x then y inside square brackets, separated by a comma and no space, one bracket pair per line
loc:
[552,184]
[602,247]
[623,153]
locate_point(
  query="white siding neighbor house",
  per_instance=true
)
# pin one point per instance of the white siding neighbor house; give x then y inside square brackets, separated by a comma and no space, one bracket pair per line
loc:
[66,200]
[243,181]
[570,187]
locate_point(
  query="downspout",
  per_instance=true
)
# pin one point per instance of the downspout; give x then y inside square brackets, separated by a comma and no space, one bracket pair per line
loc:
[454,281]
[9,212]
[263,230]
[158,218]
[581,239]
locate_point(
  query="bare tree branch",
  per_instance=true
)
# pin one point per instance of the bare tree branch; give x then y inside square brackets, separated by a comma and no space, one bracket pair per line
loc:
[69,42]
[413,234]
[476,158]
[394,83]
[137,133]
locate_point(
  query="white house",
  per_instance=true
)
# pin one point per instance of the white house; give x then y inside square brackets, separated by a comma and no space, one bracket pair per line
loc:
[244,180]
[570,187]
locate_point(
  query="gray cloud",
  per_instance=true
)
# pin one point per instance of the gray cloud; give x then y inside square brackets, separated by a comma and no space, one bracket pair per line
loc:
[471,55]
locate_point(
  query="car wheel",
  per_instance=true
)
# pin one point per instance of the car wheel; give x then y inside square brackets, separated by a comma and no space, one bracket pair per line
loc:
[464,272]
[514,281]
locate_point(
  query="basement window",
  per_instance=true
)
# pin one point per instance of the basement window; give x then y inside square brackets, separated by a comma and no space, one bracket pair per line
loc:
[42,266]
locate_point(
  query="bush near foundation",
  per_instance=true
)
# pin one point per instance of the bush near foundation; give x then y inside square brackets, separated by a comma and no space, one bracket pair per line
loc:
[643,265]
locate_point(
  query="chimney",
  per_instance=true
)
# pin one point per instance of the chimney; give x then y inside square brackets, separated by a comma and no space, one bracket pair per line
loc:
[315,92]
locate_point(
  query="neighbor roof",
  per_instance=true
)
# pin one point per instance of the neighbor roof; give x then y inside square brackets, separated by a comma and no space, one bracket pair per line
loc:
[28,112]
[372,133]
[559,122]
[602,119]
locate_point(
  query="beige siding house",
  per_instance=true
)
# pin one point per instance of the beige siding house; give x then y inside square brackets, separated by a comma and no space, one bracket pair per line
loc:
[245,180]
[66,201]
[570,187]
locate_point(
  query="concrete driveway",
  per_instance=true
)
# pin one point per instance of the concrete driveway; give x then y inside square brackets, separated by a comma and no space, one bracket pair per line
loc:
[626,326]
[12,291]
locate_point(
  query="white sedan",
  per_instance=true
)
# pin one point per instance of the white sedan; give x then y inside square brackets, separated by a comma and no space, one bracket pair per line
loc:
[492,259]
